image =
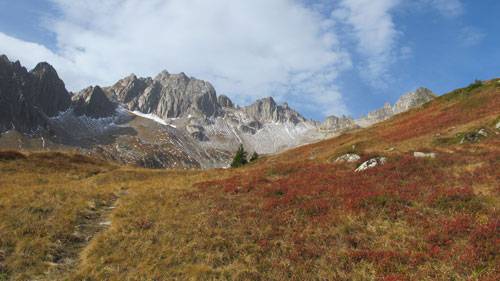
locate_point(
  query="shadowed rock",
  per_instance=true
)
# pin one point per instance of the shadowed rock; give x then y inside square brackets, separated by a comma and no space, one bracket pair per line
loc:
[27,99]
[93,103]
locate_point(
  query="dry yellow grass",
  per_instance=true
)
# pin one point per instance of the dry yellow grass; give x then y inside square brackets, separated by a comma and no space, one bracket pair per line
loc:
[292,216]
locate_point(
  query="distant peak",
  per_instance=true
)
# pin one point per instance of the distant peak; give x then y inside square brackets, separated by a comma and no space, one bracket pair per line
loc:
[269,100]
[4,58]
[44,68]
[424,90]
[131,76]
[182,75]
[162,75]
[225,101]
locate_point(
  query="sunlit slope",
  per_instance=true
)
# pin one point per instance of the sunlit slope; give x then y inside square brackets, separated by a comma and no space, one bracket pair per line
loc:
[298,215]
[437,124]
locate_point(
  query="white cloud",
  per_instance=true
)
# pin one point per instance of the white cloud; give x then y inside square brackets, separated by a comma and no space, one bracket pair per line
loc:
[470,36]
[448,8]
[247,49]
[376,35]
[29,54]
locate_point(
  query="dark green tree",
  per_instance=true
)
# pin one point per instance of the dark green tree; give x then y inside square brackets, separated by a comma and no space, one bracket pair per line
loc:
[254,157]
[240,158]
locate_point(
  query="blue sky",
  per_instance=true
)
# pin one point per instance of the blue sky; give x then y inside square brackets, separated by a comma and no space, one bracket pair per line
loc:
[322,57]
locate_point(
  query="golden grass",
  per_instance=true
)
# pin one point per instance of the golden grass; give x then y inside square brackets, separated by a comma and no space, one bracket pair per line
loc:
[268,220]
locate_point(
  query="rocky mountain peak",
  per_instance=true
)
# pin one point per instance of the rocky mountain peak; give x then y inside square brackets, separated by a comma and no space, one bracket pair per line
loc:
[162,75]
[405,102]
[44,69]
[28,98]
[167,95]
[4,59]
[128,89]
[225,101]
[50,93]
[413,99]
[267,110]
[334,123]
[93,102]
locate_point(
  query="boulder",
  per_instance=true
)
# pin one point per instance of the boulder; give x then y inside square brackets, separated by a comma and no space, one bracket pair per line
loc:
[417,154]
[372,163]
[482,132]
[349,158]
[472,137]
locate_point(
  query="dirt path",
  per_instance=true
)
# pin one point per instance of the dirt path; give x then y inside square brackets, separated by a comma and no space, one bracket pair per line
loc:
[94,220]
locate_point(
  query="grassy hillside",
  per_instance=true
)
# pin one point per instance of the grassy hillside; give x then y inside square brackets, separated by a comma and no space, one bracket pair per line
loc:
[293,216]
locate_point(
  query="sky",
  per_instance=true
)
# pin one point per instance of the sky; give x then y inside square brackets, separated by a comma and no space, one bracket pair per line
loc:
[323,57]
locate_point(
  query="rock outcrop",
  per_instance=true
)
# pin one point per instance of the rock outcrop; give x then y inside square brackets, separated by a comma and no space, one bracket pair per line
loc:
[418,154]
[372,163]
[171,120]
[225,101]
[413,100]
[267,110]
[93,102]
[404,103]
[338,124]
[349,158]
[167,95]
[27,99]
[50,93]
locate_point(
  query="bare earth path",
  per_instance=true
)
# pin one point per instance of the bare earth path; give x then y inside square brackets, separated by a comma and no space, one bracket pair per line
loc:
[94,220]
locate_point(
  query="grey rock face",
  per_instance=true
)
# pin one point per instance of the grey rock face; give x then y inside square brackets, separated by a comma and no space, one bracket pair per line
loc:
[197,132]
[167,95]
[129,88]
[413,99]
[93,102]
[266,110]
[50,95]
[27,99]
[225,101]
[182,122]
[404,103]
[334,123]
[376,116]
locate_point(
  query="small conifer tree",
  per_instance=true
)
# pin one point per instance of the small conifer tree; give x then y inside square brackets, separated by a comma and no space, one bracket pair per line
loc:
[254,157]
[240,158]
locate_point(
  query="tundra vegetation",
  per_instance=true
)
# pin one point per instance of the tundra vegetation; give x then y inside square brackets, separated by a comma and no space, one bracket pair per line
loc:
[298,215]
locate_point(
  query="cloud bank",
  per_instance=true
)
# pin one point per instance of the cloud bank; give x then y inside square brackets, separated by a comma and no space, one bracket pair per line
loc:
[375,34]
[248,49]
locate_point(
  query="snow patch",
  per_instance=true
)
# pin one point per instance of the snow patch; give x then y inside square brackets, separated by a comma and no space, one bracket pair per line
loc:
[152,116]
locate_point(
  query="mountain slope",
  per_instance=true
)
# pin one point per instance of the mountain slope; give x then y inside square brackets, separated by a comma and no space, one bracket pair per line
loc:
[404,103]
[296,215]
[171,120]
[28,99]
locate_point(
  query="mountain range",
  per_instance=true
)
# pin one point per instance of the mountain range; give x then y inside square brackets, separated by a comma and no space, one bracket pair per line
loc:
[171,120]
